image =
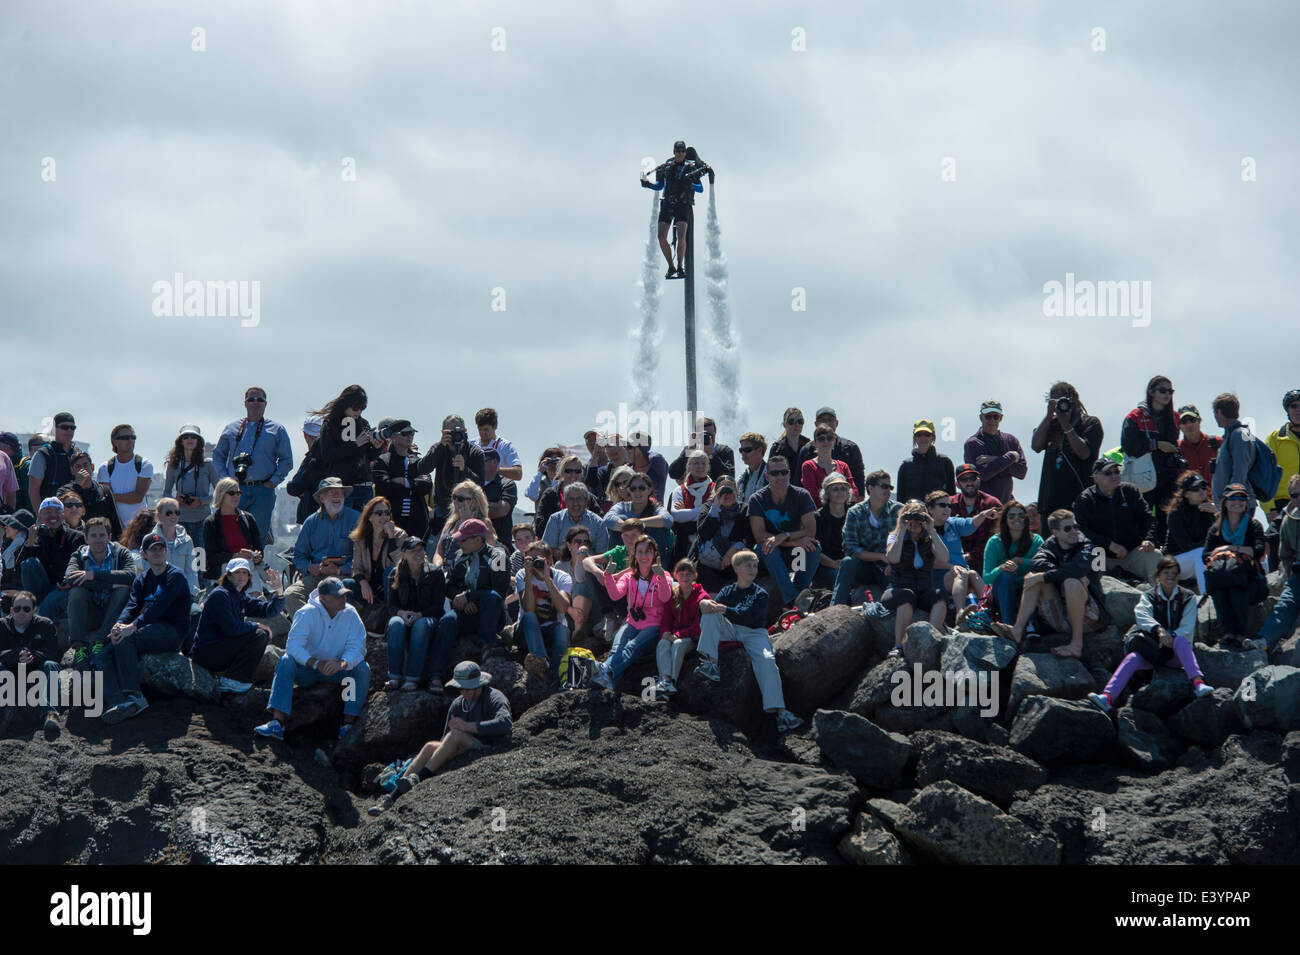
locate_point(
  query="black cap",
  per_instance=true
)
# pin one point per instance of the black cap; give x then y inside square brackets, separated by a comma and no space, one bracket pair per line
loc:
[1103,463]
[399,425]
[64,417]
[412,542]
[679,146]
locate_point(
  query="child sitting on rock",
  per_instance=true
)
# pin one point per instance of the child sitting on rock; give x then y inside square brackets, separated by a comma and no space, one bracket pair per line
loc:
[1166,619]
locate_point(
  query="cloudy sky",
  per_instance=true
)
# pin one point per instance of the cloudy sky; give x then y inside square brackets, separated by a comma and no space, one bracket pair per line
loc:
[496,147]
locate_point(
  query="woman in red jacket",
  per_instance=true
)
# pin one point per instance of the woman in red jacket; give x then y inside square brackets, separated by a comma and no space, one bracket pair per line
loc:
[681,627]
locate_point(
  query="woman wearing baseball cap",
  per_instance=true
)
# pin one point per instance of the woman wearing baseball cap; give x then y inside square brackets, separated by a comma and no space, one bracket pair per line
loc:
[191,478]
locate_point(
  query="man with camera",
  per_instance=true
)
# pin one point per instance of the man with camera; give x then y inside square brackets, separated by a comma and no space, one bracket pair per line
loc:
[43,561]
[543,602]
[722,460]
[256,452]
[323,548]
[1070,440]
[477,585]
[400,478]
[452,460]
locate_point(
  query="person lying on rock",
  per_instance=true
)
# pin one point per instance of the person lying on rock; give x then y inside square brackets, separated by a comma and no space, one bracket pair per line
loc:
[1166,622]
[226,642]
[326,644]
[1062,586]
[156,617]
[738,612]
[479,719]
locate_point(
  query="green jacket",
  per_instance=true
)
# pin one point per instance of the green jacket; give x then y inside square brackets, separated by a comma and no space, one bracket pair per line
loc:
[995,554]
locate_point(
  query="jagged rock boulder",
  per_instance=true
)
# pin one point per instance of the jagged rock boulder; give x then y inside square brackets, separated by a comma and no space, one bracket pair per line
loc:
[317,710]
[522,689]
[736,699]
[875,757]
[1103,650]
[875,688]
[1286,652]
[392,725]
[1227,668]
[1046,674]
[265,671]
[1060,731]
[1145,742]
[1168,691]
[819,655]
[1120,600]
[924,645]
[172,674]
[870,842]
[1235,805]
[1209,630]
[595,777]
[946,823]
[980,652]
[995,773]
[1270,699]
[1208,720]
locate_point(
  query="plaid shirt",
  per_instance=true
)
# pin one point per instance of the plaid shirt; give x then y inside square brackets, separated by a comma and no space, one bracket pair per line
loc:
[860,535]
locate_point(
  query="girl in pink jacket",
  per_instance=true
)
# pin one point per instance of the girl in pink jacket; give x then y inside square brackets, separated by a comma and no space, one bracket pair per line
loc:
[681,627]
[648,590]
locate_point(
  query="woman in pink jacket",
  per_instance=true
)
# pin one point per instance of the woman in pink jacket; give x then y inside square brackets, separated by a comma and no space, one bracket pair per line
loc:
[648,590]
[681,627]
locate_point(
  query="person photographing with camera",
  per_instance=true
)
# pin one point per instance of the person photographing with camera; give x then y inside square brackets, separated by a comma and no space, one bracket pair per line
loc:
[543,601]
[256,452]
[348,446]
[1070,440]
[191,478]
[452,460]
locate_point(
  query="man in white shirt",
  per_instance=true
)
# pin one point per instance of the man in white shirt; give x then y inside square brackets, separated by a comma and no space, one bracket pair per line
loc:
[127,474]
[486,421]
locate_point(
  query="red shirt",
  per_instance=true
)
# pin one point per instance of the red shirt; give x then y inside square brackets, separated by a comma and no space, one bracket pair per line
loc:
[231,533]
[1200,455]
[811,477]
[976,541]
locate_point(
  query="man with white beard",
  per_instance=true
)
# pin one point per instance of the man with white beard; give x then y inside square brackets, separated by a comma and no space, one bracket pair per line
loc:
[323,548]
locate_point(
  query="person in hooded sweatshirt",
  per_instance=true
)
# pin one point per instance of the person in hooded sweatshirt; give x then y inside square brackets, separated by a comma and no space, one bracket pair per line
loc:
[927,470]
[326,644]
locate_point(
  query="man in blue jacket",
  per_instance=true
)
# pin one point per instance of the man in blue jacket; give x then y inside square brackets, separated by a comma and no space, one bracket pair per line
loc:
[267,444]
[323,548]
[156,617]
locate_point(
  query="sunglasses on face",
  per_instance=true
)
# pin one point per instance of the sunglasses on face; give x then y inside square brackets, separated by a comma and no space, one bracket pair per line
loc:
[824,438]
[234,494]
[18,609]
[1017,517]
[968,479]
[1236,498]
[772,473]
[748,450]
[883,487]
[1067,528]
[163,513]
[573,470]
[67,427]
[637,487]
[125,437]
[461,499]
[942,504]
[1163,390]
[839,487]
[378,513]
[581,541]
[72,505]
[794,421]
[256,401]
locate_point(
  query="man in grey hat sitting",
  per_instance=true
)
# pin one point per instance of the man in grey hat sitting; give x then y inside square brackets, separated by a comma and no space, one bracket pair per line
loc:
[479,719]
[323,548]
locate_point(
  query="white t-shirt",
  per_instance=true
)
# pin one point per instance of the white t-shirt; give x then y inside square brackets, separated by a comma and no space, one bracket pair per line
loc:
[123,482]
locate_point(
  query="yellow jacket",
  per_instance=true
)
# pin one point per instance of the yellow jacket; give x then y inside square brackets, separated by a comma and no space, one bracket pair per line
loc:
[1286,448]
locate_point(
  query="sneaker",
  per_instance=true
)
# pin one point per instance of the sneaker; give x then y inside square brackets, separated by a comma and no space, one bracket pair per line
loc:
[671,274]
[666,688]
[343,730]
[227,685]
[894,653]
[1250,643]
[382,806]
[52,727]
[273,729]
[1204,689]
[786,721]
[876,610]
[80,658]
[1099,700]
[601,679]
[709,670]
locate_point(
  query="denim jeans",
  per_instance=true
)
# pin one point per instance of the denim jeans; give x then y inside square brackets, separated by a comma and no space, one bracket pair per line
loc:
[630,643]
[853,572]
[290,673]
[556,634]
[88,621]
[54,602]
[121,661]
[778,565]
[260,502]
[485,624]
[1281,622]
[1006,592]
[401,660]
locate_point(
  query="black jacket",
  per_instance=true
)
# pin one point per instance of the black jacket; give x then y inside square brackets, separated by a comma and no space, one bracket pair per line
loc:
[502,490]
[782,447]
[722,461]
[1187,529]
[388,466]
[346,460]
[99,502]
[58,470]
[1057,564]
[905,574]
[38,638]
[1254,540]
[921,474]
[425,596]
[52,550]
[214,542]
[437,461]
[1124,517]
[709,528]
[489,578]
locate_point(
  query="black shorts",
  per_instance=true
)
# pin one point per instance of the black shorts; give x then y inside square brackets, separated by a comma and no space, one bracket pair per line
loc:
[681,211]
[923,599]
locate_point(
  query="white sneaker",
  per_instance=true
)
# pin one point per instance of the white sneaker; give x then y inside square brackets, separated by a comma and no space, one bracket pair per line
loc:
[786,721]
[1204,689]
[602,679]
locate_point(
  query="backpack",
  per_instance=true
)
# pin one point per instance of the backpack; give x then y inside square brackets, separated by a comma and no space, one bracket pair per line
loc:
[577,667]
[812,600]
[112,463]
[1264,475]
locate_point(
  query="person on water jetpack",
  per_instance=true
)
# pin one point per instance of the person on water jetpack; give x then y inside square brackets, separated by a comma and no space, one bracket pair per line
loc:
[679,178]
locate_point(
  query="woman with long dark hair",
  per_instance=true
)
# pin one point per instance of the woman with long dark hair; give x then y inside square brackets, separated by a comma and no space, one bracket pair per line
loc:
[1006,558]
[347,448]
[1152,428]
[1069,439]
[191,477]
[1189,516]
[1235,533]
[376,549]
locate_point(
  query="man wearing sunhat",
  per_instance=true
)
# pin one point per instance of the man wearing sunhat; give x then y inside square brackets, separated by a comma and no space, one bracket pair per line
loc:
[478,719]
[997,455]
[326,644]
[323,548]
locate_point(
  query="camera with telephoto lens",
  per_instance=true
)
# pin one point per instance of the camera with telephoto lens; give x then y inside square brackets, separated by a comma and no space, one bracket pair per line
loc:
[383,434]
[458,435]
[539,564]
[241,465]
[1064,404]
[636,613]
